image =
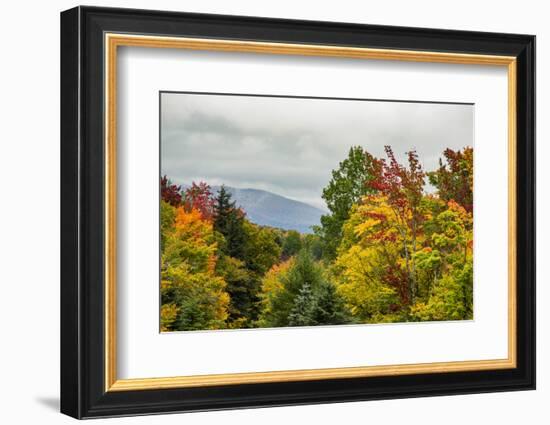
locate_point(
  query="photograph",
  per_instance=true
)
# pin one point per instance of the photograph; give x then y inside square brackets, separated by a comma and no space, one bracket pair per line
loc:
[285,210]
[288,211]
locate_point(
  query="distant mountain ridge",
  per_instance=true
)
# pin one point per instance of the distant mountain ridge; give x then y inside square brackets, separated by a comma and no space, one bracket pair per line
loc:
[269,209]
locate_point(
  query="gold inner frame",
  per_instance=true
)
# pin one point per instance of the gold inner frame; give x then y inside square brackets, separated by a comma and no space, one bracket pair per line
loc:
[113,41]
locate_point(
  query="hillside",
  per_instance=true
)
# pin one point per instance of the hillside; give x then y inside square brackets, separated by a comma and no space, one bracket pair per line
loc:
[269,209]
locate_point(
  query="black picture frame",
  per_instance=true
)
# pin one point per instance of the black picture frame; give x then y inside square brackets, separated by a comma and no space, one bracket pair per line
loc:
[83,392]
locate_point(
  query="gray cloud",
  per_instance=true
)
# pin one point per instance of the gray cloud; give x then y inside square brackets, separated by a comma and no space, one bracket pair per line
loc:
[289,146]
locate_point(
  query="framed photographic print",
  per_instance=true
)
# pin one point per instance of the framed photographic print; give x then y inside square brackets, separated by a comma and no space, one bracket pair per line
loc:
[261,212]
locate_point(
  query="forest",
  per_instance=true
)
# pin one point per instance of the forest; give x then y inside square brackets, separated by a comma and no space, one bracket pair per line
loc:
[396,245]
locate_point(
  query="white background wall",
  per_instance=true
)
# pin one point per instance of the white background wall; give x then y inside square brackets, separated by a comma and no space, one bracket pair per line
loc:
[29,216]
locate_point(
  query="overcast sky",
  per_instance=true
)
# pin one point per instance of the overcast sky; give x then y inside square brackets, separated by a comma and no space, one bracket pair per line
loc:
[289,146]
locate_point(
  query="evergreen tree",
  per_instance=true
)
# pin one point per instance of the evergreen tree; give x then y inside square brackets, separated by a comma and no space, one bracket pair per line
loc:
[320,307]
[304,309]
[330,308]
[229,221]
[249,251]
[303,272]
[238,280]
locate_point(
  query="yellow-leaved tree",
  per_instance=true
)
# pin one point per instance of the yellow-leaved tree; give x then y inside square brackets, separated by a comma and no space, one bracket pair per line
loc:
[193,296]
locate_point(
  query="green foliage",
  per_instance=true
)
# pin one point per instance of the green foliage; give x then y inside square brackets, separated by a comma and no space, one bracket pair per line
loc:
[229,221]
[238,288]
[242,288]
[301,296]
[314,245]
[447,268]
[330,307]
[449,300]
[303,271]
[261,250]
[348,185]
[260,253]
[386,252]
[321,307]
[292,244]
[303,310]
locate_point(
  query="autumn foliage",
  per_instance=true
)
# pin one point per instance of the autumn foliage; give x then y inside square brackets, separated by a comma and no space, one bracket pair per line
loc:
[392,249]
[170,192]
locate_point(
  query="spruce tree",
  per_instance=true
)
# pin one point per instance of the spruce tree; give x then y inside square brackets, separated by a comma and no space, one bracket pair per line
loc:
[229,221]
[304,272]
[307,298]
[330,308]
[304,310]
[223,208]
[242,283]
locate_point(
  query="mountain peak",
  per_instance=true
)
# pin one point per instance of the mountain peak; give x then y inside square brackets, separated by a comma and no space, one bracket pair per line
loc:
[269,209]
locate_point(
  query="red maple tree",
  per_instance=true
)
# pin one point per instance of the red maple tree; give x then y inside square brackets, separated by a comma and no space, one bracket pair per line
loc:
[169,192]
